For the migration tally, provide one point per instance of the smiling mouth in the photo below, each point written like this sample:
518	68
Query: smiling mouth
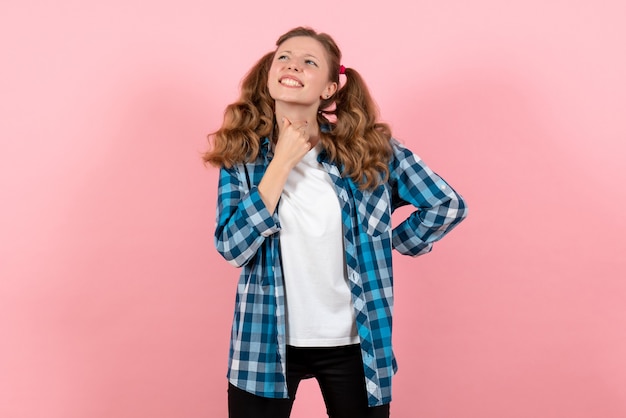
290	82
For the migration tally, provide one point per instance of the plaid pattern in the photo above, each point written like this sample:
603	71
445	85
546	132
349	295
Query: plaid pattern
246	235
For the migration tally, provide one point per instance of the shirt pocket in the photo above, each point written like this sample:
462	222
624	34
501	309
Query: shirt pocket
374	210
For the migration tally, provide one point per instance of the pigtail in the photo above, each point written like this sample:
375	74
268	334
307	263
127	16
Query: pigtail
359	143
246	121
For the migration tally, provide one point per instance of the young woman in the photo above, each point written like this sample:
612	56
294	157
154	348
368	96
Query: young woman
308	181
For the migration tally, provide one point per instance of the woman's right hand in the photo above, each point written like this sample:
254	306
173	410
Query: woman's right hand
293	143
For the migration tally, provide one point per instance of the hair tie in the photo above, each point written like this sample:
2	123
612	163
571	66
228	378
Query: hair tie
342	69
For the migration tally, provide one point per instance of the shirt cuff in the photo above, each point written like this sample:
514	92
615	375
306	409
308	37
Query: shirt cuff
406	242
258	216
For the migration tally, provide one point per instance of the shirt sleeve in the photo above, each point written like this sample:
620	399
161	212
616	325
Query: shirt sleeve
243	221
439	208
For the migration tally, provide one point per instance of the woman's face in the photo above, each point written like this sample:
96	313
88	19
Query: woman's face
299	73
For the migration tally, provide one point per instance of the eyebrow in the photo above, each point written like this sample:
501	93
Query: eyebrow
306	55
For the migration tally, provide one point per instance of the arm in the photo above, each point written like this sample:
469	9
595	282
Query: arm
246	214
243	221
293	143
439	207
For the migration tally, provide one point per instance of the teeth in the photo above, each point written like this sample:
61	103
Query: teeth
290	82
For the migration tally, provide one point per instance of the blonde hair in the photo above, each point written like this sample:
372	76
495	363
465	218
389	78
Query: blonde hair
356	142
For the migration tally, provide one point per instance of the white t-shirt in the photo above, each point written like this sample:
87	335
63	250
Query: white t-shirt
318	299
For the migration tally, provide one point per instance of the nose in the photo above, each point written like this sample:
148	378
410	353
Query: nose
293	66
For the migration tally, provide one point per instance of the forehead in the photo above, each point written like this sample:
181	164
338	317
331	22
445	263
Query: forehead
303	45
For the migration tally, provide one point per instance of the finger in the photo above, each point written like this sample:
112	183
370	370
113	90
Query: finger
286	123
300	124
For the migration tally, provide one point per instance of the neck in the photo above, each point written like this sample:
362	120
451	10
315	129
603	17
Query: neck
299	115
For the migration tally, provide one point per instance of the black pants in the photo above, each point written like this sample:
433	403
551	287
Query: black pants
339	372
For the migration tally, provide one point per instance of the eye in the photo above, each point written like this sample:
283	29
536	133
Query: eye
311	62
282	57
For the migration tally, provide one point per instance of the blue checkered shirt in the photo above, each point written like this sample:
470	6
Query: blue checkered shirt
247	236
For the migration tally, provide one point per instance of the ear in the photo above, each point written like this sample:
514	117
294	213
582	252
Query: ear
331	88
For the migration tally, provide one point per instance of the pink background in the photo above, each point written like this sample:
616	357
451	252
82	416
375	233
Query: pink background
113	301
